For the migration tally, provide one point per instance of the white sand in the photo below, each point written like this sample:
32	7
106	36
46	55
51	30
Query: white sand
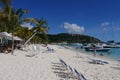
40	67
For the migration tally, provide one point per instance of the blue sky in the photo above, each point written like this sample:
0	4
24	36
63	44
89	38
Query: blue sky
98	18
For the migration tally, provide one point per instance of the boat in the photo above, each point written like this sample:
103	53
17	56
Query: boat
85	46
97	49
111	45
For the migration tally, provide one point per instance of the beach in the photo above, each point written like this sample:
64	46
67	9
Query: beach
20	66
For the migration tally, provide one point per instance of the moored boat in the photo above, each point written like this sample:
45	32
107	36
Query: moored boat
97	49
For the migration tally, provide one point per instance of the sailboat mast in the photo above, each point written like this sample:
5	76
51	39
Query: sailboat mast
112	31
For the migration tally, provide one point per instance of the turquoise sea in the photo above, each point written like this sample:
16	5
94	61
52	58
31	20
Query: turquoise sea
114	53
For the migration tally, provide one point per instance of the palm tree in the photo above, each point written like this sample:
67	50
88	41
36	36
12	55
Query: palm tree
23	32
36	39
15	22
5	2
10	18
41	28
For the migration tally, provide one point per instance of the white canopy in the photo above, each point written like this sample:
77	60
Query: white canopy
5	34
9	36
17	38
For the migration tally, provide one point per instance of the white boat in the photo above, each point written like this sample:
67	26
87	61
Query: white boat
97	47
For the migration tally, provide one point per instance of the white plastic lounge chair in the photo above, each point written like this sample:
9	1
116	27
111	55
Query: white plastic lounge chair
73	71
99	62
34	47
70	69
63	62
79	75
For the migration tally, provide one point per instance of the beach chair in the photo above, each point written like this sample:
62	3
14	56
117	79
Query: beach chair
80	75
63	62
50	49
29	48
71	72
63	65
34	47
33	51
70	69
105	62
99	62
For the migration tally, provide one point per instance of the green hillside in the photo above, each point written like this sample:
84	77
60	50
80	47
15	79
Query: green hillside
71	38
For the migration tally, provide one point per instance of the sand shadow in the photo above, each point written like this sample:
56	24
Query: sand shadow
61	71
29	55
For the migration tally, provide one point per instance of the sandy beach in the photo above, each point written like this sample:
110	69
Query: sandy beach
41	66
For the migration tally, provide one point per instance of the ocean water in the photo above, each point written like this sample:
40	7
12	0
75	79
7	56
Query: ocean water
114	53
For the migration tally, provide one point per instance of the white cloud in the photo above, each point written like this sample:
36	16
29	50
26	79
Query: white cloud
73	28
105	24
27	25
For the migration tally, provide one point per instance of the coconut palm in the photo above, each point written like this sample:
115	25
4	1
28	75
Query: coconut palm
5	9
36	39
10	18
5	2
4	17
41	28
14	21
16	17
23	32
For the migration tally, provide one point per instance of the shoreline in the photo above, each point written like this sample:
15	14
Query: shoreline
97	55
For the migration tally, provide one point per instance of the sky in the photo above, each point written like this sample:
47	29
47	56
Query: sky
97	18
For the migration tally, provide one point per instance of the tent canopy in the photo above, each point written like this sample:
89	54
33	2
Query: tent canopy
9	36
5	34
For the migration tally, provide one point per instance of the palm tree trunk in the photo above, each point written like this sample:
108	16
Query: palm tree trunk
12	44
30	38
